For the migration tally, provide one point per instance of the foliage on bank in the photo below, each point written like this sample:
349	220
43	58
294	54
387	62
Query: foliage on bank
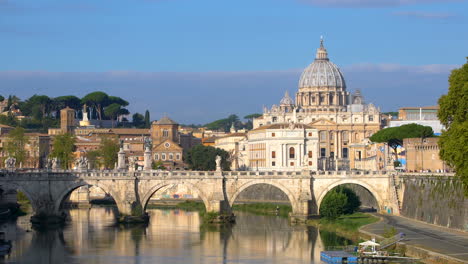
340	200
453	114
345	225
264	208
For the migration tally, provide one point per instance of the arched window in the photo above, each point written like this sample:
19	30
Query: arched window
291	153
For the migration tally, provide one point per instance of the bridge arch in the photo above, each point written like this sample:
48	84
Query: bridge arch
18	187
75	185
292	198
366	186
147	196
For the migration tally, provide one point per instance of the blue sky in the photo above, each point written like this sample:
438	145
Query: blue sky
199	60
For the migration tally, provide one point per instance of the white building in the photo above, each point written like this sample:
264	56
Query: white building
323	103
282	147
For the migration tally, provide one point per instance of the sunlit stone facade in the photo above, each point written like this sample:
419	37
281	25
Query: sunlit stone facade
323	103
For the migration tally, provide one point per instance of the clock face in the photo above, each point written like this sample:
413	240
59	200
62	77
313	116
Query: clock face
167	144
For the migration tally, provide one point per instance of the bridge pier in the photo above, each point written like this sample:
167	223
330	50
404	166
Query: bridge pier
45	212
302	210
223	210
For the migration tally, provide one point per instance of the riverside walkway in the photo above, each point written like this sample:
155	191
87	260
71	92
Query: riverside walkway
441	240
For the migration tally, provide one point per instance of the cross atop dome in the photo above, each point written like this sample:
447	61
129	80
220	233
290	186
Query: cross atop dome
321	51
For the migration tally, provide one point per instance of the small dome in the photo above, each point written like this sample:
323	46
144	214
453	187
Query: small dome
287	100
322	72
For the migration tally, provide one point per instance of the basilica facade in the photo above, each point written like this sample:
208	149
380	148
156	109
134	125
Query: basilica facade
322	103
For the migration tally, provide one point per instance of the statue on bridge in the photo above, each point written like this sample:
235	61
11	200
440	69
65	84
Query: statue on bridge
55	163
131	163
10	163
82	163
218	163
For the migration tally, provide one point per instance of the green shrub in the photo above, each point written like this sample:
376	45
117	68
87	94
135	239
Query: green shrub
333	205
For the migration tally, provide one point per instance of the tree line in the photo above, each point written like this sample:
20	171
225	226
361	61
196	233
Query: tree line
43	112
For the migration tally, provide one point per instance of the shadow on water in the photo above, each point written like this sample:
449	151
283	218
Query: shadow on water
172	236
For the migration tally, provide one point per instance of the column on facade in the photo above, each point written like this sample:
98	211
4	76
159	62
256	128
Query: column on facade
336	143
300	152
339	144
280	154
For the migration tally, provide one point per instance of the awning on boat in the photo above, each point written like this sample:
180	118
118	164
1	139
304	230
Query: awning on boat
369	243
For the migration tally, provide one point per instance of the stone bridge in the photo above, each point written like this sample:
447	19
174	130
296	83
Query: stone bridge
131	190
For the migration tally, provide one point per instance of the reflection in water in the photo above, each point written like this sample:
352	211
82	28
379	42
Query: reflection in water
172	236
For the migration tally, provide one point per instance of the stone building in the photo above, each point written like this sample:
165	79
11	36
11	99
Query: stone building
422	155
37	149
234	144
425	116
367	155
166	148
283	147
323	102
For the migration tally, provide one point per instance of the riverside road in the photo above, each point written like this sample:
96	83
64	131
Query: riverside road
437	239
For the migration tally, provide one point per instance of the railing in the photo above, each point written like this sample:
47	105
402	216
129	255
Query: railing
35	173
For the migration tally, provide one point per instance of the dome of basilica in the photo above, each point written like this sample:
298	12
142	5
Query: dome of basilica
322	72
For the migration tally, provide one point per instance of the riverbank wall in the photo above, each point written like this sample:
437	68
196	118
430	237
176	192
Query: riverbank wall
434	199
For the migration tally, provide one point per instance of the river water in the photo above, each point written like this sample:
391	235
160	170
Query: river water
172	236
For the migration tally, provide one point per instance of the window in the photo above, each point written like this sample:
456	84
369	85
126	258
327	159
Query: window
291	153
310	134
273	163
165	133
163	156
345	136
345	153
273	154
274	119
156	157
292	163
272	134
323	152
309	154
323	135
332	154
171	156
356	137
177	156
371	118
331	136
358	155
310	163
